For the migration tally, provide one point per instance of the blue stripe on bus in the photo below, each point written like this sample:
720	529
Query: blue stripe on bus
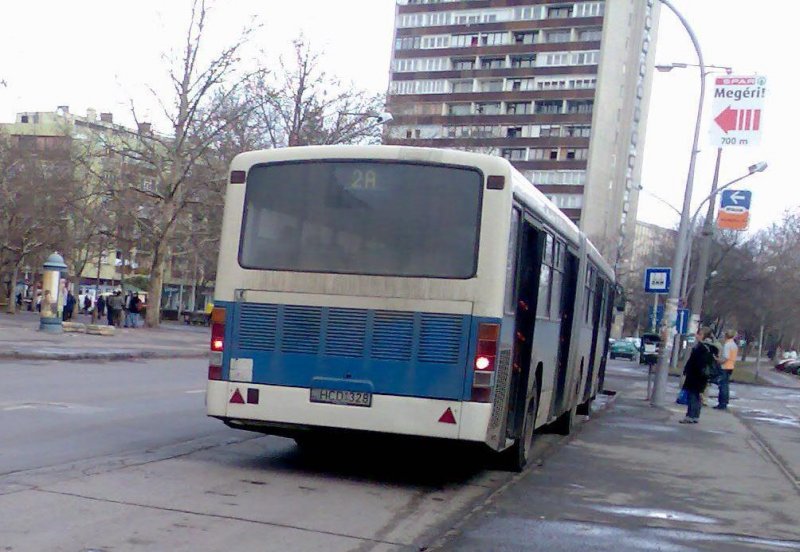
392	352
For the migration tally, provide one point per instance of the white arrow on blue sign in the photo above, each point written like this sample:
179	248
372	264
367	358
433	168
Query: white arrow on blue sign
657	279
738	199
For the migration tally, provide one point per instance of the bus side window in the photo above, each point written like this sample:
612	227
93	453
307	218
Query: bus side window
556	307
543	303
511	263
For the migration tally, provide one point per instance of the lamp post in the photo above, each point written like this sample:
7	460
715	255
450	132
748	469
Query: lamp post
671	307
50	316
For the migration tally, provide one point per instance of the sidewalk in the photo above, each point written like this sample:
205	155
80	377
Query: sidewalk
20	338
634	479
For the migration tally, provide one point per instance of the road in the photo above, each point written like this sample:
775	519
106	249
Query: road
120	456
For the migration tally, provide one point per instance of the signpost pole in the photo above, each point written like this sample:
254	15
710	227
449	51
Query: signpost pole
760	350
654	321
705	252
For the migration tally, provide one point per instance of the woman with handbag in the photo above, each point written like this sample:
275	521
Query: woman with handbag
696	373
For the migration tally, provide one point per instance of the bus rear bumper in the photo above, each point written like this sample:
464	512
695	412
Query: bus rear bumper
290	406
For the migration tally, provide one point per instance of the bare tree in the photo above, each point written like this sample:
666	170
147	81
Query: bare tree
199	111
300	105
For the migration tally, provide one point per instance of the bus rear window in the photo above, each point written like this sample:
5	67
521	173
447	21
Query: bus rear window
353	217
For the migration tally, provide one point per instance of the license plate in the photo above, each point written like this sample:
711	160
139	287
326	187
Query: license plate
348	398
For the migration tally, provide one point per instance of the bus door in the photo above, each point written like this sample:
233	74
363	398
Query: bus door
568	294
597	310
532	243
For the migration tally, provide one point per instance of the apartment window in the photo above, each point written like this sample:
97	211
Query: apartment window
555	59
484	131
408	133
459	109
589	9
461	86
567	201
521	84
494	39
525	14
513	132
464	41
523	61
585	58
433	42
551	84
518	108
23	119
590	35
583	83
514	154
557	12
491	86
578	131
493	63
574	154
547	131
558	178
548	107
407	43
464	64
540	154
561	35
525	37
580	106
487	108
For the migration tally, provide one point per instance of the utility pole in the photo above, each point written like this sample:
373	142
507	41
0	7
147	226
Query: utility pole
671	306
705	252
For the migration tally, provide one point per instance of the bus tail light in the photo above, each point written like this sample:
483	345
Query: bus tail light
217	343
484	363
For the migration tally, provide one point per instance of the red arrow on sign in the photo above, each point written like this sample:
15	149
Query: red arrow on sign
727	119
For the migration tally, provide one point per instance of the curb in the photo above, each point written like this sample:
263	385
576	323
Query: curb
112	356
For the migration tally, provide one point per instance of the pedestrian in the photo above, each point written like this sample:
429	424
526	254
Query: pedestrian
69	307
730	353
101	306
697	371
87	304
133	309
126	309
110	310
117	301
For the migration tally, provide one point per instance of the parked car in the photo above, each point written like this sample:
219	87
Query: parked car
783	364
623	349
793	367
637	342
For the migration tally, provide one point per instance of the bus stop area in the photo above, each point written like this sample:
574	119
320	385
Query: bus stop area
20	338
635	479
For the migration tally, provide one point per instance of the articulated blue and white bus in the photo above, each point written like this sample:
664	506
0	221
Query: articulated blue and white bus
399	290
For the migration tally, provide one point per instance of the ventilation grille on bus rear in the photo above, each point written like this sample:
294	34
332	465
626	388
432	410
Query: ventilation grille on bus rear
336	332
258	326
301	329
393	335
440	338
347	330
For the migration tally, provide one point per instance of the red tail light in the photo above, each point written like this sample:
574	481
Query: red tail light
218	329
484	363
217	343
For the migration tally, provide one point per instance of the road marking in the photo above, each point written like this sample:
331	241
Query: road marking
195	391
19	407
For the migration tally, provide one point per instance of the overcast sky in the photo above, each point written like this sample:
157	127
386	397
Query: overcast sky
102	54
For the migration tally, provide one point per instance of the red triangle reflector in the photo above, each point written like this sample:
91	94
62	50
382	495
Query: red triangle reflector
447	417
237	398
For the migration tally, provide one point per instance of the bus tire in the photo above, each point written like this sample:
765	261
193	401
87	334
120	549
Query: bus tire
565	423
516	457
585	408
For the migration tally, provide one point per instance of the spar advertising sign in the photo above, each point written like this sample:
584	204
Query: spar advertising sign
737	111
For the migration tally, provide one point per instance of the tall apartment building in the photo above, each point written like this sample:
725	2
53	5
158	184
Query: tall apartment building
558	88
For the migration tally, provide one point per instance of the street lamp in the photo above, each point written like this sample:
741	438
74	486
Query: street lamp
671	307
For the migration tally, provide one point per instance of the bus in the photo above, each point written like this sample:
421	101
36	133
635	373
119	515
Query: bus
409	291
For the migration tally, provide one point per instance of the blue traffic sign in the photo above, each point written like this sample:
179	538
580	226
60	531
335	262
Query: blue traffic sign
736	200
657	279
659	314
682	323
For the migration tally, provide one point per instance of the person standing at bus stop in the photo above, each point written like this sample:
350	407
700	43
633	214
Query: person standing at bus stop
695	373
730	352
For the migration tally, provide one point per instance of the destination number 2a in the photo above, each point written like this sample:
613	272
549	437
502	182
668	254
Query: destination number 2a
363	180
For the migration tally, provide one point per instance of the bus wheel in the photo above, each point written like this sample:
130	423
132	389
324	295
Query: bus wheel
585	408
518	455
565	423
